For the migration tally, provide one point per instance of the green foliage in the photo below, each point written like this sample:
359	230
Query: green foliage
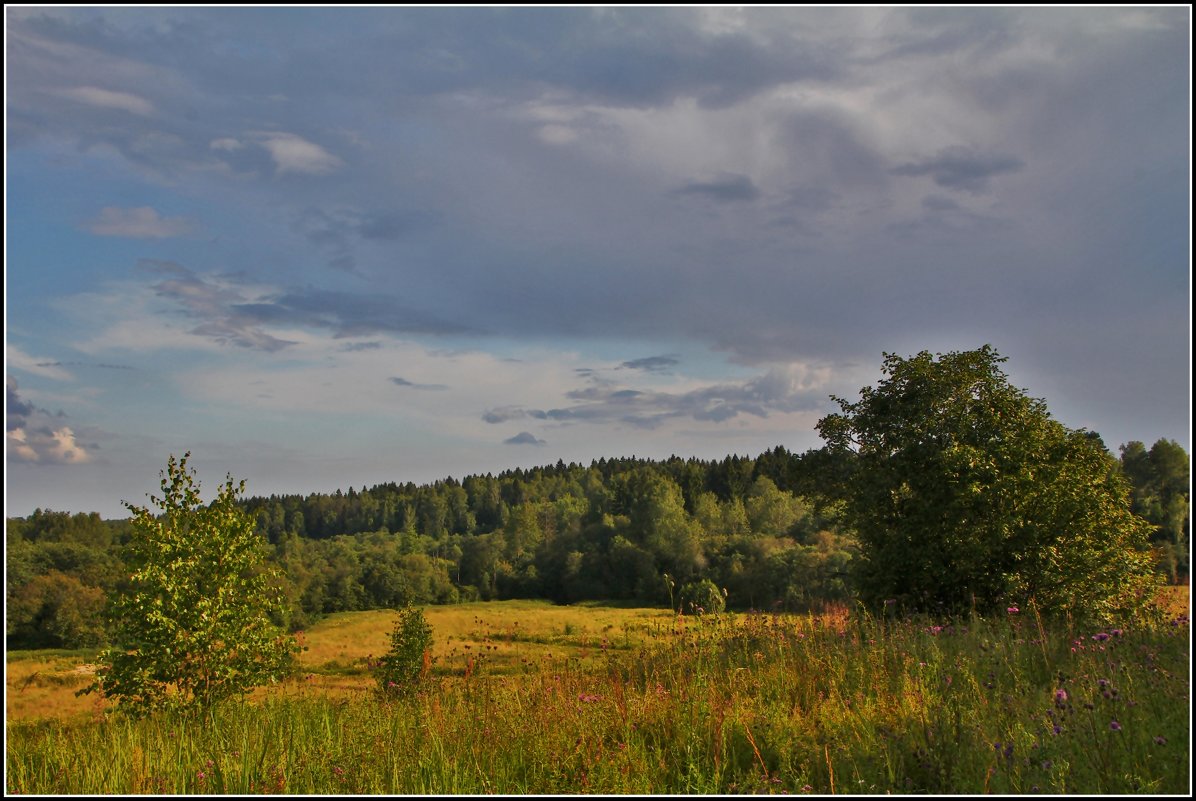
1161	480
405	666
965	493
194	624
55	610
702	597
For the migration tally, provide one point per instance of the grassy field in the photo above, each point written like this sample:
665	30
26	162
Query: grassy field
490	638
530	698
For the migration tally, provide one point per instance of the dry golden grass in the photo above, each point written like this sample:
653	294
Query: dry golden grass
44	687
1176	600
504	636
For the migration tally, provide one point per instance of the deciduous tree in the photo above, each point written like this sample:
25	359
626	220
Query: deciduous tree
965	493
193	626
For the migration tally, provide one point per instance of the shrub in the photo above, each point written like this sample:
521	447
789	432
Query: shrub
699	597
405	666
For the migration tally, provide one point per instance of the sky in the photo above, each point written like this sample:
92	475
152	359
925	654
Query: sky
320	248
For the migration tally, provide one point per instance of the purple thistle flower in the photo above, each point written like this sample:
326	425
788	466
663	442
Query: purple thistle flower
1114	726
1060	697
1100	636
1160	740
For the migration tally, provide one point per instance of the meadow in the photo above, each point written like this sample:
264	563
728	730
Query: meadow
526	697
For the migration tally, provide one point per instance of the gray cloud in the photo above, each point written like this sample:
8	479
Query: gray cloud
216	308
227	316
524	438
825	254
341	232
403	382
97	365
139	223
726	188
962	169
778	390
652	364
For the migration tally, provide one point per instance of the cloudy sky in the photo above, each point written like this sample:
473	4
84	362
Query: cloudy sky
321	248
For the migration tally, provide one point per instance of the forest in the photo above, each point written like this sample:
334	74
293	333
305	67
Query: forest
766	532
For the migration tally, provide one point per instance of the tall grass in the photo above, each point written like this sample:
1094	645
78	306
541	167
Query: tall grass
832	704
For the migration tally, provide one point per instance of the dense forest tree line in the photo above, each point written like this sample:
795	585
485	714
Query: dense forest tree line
767	530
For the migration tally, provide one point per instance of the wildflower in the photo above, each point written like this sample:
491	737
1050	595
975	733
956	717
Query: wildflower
1013	610
1160	740
200	775
1057	729
1117	632
1114	726
1100	636
1060	697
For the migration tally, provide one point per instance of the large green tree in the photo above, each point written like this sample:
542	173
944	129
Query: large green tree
193	625
966	494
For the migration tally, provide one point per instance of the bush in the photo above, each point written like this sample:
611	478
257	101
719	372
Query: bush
405	666
702	597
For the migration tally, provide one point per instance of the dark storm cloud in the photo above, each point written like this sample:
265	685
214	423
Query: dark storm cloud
962	169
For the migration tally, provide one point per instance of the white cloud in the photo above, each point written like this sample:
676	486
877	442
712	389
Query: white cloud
142	222
47	446
106	98
292	153
226	143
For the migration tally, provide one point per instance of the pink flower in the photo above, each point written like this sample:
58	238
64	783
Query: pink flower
1013	610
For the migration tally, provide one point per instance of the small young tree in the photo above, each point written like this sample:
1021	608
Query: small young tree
966	494
194	625
405	666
